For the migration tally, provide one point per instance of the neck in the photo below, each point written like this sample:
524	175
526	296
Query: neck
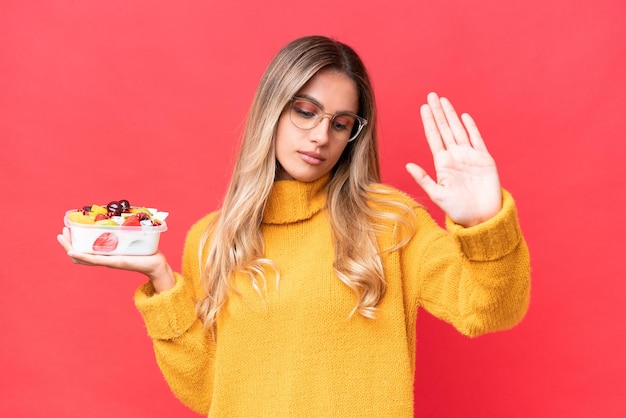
293	200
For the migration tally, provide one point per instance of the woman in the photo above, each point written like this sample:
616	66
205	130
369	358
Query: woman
300	295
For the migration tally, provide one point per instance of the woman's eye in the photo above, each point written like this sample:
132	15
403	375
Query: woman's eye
343	123
305	113
340	127
305	110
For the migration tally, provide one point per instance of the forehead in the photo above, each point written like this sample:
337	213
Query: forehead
334	90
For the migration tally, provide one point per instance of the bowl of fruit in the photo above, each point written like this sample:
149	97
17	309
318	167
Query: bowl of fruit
115	229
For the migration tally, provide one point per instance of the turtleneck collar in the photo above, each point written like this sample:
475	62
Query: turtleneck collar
293	201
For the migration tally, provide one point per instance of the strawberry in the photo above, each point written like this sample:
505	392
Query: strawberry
100	217
132	221
106	242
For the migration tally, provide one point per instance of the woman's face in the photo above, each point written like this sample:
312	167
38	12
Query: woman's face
307	155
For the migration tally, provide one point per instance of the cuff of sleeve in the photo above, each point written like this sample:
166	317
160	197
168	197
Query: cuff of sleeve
167	315
492	239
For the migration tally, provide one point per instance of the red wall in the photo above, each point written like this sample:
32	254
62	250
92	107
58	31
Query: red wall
144	100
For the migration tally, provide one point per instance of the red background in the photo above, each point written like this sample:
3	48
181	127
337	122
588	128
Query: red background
102	100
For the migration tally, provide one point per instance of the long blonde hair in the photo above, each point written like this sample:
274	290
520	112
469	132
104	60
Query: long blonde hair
234	243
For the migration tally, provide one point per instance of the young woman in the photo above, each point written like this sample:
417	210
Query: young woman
300	295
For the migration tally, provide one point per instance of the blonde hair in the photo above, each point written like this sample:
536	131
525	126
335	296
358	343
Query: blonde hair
233	241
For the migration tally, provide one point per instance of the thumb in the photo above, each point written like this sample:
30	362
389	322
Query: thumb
422	178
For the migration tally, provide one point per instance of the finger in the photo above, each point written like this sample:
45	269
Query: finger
430	130
440	119
474	134
67	236
138	263
80	258
111	261
458	130
64	242
97	260
422	179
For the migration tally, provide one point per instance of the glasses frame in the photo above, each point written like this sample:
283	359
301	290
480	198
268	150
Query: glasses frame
362	122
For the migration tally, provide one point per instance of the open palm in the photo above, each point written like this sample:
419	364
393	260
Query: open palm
154	266
467	186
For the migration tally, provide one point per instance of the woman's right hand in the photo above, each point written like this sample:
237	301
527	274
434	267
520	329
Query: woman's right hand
154	266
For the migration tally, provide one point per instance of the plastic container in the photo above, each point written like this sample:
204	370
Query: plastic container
114	240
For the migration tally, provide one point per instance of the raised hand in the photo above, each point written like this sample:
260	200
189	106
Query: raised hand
154	266
467	188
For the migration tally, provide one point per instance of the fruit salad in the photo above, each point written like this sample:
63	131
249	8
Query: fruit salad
117	228
117	213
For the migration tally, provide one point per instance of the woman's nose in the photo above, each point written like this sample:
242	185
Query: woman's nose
320	133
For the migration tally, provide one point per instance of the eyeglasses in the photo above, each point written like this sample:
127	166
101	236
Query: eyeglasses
306	114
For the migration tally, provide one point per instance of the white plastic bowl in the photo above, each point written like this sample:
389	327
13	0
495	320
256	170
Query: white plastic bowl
114	240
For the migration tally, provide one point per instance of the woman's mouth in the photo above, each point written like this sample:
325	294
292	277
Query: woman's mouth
312	158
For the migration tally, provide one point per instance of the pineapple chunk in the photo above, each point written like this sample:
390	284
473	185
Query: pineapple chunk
109	222
79	218
97	209
139	210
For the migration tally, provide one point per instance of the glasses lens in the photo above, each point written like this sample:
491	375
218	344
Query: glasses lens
305	114
343	125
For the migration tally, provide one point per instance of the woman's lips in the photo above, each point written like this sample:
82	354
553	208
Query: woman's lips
312	158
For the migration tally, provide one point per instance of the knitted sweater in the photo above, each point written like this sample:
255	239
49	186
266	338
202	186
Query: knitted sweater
296	351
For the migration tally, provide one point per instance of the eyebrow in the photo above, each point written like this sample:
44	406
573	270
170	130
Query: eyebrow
306	96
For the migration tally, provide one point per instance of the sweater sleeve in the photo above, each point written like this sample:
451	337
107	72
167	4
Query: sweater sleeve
184	351
477	278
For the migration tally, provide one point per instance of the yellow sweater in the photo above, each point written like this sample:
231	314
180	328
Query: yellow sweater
296	352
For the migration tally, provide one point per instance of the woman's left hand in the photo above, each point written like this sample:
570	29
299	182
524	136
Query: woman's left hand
467	187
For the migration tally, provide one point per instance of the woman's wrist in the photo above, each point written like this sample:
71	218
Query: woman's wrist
162	279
